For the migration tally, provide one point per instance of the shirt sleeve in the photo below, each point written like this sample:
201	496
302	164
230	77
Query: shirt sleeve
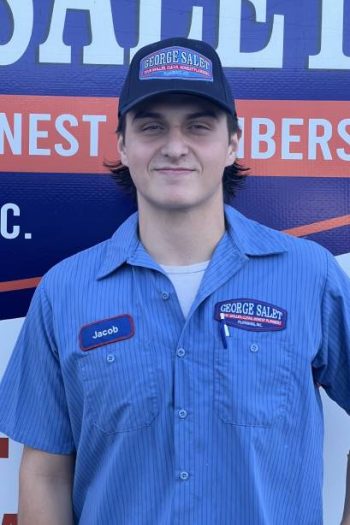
33	407
332	363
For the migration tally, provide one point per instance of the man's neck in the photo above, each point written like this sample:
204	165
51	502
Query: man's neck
181	237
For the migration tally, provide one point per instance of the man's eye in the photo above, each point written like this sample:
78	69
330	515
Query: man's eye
199	126
151	128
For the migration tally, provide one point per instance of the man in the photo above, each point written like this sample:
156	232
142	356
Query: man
171	374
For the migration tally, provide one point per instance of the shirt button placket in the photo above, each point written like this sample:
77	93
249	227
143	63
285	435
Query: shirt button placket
254	347
182	413
182	427
180	352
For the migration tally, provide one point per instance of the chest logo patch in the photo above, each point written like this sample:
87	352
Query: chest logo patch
106	331
250	314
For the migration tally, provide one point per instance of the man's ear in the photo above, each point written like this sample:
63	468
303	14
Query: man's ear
122	149
232	149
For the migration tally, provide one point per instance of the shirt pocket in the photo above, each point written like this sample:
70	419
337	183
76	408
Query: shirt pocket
120	386
251	379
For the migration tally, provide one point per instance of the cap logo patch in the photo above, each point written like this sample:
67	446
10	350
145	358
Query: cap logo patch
106	331
250	314
176	62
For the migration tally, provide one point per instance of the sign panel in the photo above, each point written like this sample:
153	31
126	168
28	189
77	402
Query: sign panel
62	64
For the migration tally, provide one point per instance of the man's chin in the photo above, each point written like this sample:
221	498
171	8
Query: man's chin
173	204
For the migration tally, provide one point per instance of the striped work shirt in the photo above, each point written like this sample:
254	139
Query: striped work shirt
212	420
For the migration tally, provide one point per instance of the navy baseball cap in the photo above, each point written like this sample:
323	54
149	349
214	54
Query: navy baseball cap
176	65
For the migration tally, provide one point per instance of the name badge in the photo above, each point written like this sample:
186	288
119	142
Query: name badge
106	331
250	314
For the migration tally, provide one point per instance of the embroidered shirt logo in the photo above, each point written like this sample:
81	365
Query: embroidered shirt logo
106	331
176	62
250	314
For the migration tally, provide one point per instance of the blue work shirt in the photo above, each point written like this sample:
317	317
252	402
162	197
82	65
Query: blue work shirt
215	419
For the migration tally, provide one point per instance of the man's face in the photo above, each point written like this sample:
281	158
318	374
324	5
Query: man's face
176	148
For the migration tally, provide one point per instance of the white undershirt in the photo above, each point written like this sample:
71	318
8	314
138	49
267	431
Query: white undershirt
186	281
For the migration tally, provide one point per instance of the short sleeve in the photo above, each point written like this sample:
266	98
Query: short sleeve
332	363
33	407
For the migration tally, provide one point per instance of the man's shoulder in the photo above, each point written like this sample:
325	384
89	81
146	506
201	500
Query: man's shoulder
81	266
88	264
305	250
292	242
264	238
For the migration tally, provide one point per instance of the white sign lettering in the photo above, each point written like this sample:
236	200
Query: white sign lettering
263	131
345	135
331	55
40	129
104	49
14	136
7	210
23	19
35	133
94	121
288	138
150	15
63	131
230	37
320	133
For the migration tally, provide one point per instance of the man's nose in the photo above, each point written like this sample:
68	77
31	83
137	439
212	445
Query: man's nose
175	144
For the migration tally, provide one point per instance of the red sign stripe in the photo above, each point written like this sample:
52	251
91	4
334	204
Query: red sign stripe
297	138
9	519
4	448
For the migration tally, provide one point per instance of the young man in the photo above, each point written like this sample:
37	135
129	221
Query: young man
171	375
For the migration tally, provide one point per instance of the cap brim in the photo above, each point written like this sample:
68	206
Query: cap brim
229	109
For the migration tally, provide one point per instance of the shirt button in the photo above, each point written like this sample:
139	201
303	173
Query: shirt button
165	296
110	358
182	413
180	352
254	347
184	475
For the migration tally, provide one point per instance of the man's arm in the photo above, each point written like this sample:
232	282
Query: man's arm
45	488
346	513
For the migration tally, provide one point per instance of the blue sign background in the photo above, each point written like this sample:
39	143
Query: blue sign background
68	212
302	39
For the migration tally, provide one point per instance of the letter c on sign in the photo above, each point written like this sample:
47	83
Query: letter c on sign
6	210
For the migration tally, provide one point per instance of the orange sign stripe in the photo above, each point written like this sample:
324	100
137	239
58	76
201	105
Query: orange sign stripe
320	226
21	284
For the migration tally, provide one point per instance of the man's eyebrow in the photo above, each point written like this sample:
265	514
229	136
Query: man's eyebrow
146	114
153	114
201	114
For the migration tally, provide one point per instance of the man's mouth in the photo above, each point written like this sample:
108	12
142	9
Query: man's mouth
174	170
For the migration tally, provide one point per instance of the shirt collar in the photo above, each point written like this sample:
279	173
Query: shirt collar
252	238
249	237
120	246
